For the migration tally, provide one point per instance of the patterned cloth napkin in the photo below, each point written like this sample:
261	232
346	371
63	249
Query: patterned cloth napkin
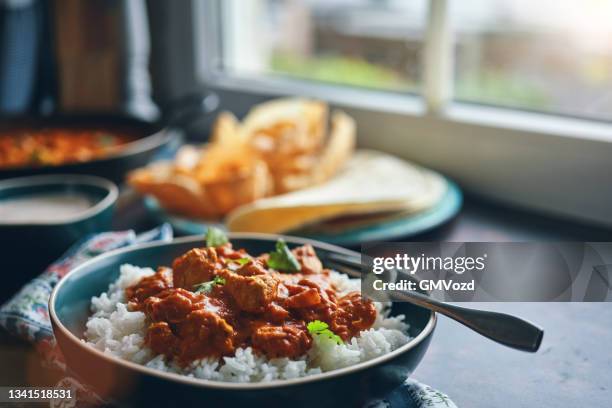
26	315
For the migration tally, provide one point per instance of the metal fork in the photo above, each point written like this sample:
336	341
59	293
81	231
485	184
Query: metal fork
503	328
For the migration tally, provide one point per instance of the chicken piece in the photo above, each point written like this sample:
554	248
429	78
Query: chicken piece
233	259
308	260
149	286
251	293
354	314
194	267
288	340
205	333
228	252
276	313
172	305
161	340
254	267
307	297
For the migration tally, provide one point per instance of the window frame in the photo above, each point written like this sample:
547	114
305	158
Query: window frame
564	170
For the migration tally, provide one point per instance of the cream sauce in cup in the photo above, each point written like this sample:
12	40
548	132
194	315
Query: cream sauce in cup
48	207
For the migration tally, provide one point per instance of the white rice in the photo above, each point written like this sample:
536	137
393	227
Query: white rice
113	329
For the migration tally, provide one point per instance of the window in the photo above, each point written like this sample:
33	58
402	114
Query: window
511	98
364	43
552	56
547	55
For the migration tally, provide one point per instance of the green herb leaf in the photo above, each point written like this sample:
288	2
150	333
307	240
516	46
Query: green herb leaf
321	330
282	259
317	326
242	261
215	237
207	287
106	140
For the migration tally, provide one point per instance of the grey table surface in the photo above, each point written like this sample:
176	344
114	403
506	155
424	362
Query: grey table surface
573	367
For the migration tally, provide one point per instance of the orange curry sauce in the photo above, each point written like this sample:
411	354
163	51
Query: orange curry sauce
56	146
255	306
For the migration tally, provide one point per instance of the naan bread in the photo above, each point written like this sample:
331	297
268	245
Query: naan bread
372	182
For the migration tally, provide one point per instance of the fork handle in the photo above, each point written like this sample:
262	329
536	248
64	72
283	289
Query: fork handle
508	330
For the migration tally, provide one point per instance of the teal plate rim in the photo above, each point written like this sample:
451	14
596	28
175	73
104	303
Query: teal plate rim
410	225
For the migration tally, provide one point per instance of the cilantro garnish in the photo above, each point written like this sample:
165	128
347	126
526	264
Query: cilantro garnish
282	259
207	287
242	261
321	329
215	237
106	140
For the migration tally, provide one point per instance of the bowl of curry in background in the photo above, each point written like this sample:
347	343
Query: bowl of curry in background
107	146
137	385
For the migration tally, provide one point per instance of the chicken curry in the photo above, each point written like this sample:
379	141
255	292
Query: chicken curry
57	146
216	299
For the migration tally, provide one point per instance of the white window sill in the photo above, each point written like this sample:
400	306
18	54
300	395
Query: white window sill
533	122
341	95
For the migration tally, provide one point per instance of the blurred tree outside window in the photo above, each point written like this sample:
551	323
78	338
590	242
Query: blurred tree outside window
552	56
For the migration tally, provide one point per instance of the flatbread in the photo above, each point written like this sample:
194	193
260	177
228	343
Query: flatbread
372	182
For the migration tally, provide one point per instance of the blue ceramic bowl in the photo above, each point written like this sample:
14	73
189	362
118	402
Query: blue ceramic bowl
29	246
141	386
